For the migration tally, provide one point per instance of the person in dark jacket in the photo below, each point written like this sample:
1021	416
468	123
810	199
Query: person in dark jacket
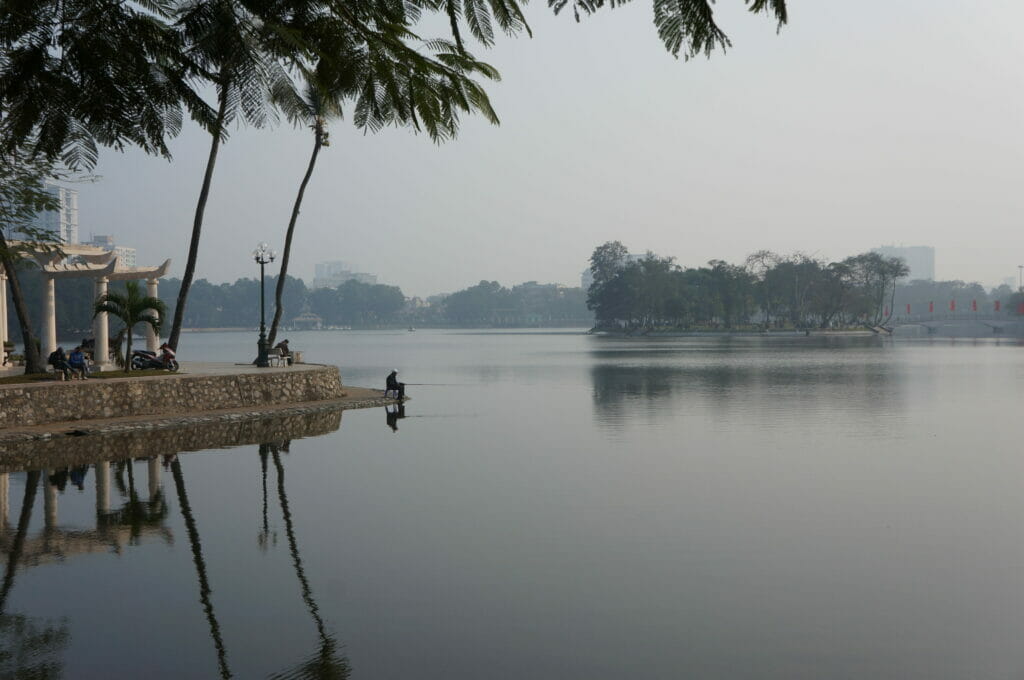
59	361
392	385
286	353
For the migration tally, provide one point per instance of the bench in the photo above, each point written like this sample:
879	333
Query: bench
276	357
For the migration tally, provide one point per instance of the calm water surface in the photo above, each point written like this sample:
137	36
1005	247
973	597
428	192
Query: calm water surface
552	505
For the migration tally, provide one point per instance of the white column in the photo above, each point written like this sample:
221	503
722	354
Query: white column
49	317
100	329
152	339
154	477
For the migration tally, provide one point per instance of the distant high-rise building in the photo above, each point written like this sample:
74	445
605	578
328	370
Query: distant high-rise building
333	274
126	257
63	221
920	259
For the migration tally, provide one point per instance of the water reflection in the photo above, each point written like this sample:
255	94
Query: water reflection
200	564
31	647
733	382
28	648
393	413
327	663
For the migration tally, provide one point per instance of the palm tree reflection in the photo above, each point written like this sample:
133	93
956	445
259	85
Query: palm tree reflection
200	562
327	663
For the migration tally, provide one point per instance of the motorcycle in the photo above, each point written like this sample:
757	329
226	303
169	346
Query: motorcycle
143	359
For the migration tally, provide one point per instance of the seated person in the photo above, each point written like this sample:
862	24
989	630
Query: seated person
392	385
76	360
59	361
286	353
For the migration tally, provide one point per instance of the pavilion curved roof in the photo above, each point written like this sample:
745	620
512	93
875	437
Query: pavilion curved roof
94	261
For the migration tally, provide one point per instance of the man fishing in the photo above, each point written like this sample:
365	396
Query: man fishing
392	385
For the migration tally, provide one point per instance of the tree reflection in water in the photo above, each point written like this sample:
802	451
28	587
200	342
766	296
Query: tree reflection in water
28	648
327	663
33	648
200	562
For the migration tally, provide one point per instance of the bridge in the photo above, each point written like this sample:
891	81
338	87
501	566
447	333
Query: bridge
973	324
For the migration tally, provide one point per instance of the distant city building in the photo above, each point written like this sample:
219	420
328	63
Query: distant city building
125	256
920	259
333	274
63	221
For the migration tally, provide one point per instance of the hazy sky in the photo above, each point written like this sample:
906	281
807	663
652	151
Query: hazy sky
860	124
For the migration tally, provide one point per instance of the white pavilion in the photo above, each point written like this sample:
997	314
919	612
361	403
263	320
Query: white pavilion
93	262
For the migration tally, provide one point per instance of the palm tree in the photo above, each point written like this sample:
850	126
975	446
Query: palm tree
315	105
227	48
132	307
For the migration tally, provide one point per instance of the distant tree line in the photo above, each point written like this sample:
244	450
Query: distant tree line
489	304
767	291
352	304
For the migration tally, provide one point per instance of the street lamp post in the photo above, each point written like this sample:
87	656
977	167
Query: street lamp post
263	255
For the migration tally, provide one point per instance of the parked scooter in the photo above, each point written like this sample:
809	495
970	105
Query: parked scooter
143	358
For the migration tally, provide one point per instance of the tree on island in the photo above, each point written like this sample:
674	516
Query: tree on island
132	308
797	291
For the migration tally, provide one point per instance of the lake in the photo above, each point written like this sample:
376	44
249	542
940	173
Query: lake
549	505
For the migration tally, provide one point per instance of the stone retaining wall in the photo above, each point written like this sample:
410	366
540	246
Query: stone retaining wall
33	404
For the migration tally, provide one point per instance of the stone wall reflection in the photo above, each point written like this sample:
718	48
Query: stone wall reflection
66	451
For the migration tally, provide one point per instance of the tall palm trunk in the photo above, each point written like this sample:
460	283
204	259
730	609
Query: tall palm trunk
128	351
27	501
197	223
33	361
318	142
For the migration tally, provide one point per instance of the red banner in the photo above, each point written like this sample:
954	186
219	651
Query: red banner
1020	308
952	305
931	307
997	305
908	308
886	312
974	305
